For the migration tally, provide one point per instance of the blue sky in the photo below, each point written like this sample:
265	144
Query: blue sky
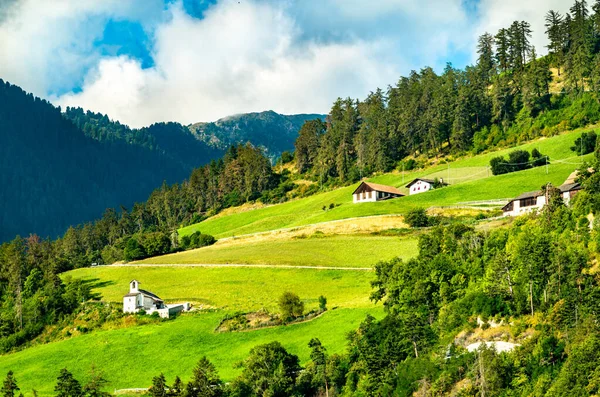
143	61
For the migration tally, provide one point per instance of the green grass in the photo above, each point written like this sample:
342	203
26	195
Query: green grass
307	211
340	251
131	357
234	288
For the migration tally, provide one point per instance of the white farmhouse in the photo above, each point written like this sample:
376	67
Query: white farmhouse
370	192
535	201
138	299
422	185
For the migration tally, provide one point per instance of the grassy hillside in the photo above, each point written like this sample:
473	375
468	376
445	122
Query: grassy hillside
469	179
131	357
343	251
234	288
174	346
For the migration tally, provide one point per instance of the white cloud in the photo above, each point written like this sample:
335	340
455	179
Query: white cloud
47	45
241	57
290	56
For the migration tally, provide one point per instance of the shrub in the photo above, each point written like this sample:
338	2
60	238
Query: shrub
133	250
585	144
290	306
417	218
197	240
322	303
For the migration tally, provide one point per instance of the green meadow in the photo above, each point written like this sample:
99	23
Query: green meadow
130	357
309	210
472	182
337	251
248	288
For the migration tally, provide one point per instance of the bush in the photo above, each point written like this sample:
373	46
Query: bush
417	218
585	144
322	303
290	306
133	250
517	160
197	240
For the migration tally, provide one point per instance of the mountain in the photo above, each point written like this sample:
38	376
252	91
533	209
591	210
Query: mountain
57	172
269	130
61	169
171	140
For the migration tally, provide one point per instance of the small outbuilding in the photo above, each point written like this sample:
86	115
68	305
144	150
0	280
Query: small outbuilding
422	185
138	299
370	192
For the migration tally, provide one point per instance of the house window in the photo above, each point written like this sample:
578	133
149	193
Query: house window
369	194
528	202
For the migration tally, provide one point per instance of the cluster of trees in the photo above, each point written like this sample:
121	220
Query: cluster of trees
504	98
585	144
66	385
32	294
518	160
269	370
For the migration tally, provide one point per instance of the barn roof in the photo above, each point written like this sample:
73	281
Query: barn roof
430	181
380	188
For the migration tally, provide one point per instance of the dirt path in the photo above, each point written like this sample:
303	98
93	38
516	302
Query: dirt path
364	269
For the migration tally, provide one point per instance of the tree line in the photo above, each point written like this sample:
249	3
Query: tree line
502	99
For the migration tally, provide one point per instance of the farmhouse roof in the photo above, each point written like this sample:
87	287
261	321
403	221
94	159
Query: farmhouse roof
525	195
430	181
569	187
380	188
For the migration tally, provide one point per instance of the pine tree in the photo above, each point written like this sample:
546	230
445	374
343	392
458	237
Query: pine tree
67	385
556	37
577	64
486	62
205	381
502	49
159	386
9	386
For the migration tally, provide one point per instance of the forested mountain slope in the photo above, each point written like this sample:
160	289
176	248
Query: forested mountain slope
53	175
171	140
269	130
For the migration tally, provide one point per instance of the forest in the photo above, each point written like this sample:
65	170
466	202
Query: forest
55	176
538	277
508	96
540	274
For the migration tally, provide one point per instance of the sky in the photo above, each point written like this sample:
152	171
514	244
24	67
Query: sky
145	61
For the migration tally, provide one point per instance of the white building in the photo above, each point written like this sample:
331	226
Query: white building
422	185
535	201
370	192
138	299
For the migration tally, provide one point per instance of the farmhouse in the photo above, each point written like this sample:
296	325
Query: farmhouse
535	201
422	185
369	192
138	299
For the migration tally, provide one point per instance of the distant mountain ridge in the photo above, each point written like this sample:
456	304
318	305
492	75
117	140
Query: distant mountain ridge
61	169
273	132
